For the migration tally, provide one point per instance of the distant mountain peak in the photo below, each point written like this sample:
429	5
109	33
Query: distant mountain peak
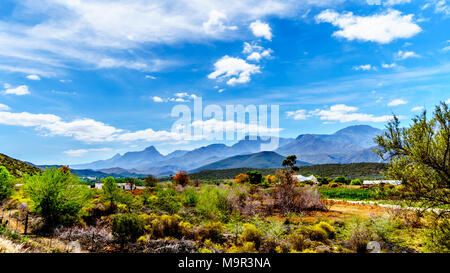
357	129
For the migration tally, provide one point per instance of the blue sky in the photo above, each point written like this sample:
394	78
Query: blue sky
84	80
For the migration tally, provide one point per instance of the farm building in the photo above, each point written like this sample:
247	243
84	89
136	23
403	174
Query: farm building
376	182
302	178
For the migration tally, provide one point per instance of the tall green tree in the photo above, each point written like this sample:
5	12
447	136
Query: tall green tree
56	195
110	191
6	183
420	156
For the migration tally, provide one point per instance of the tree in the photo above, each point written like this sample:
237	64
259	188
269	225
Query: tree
181	178
110	191
290	162
131	181
56	195
254	177
420	156
6	183
342	179
150	181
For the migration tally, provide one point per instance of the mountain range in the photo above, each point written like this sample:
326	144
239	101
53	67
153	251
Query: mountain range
350	145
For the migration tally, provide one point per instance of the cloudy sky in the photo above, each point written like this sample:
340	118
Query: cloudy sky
82	80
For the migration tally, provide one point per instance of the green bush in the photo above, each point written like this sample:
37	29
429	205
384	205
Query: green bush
56	195
252	234
356	182
189	197
342	179
213	203
6	183
254	177
167	201
127	227
331	232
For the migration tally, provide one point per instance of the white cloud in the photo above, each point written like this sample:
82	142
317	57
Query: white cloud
261	29
221	90
256	52
150	77
297	115
417	109
388	2
236	70
381	28
447	48
397	102
365	67
4	107
34	77
19	91
447	101
72	31
157	99
392	65
403	55
81	152
344	113
215	24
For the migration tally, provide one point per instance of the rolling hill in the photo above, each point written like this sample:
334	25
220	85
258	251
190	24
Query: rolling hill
16	167
261	160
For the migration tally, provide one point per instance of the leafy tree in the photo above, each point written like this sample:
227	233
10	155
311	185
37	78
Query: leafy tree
254	177
131	181
6	183
290	162
342	179
420	156
110	191
150	181
56	195
181	178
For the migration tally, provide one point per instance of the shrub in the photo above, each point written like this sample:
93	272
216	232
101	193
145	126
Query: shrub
167	226
181	178
127	227
342	179
242	178
358	235
355	182
382	228
254	177
150	181
213	203
166	200
252	234
298	240
247	247
438	237
6	183
189	197
333	185
331	232
56	195
212	231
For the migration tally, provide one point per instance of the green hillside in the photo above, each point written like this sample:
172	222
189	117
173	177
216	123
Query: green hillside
16	167
355	170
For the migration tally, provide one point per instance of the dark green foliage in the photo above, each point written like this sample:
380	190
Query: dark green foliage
56	195
255	177
356	182
6	183
110	191
167	201
342	180
150	181
127	227
351	171
290	162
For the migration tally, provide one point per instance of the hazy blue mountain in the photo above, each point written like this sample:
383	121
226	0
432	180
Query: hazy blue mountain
261	160
349	145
